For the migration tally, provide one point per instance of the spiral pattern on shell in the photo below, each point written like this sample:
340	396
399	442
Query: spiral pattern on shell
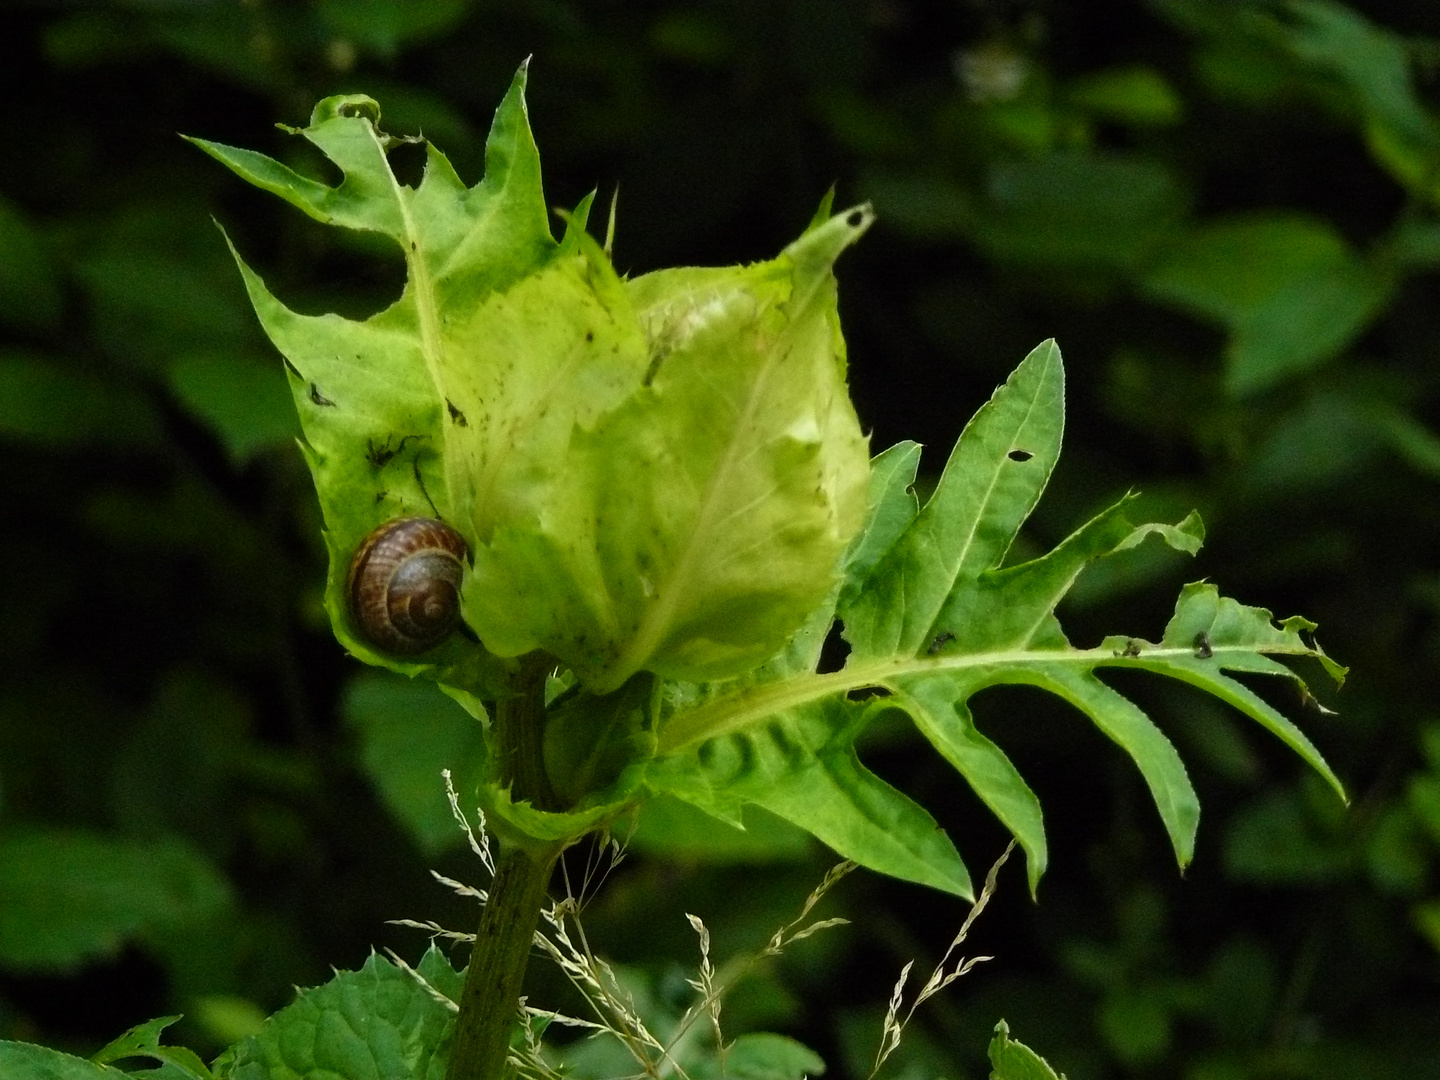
404	584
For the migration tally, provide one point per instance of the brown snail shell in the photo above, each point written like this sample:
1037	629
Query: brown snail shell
404	584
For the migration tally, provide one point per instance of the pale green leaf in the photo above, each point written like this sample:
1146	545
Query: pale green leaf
651	475
695	525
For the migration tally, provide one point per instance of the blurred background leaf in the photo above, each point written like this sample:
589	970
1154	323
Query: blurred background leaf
1228	214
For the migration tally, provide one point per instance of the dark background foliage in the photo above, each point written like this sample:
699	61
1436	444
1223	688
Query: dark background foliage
1225	212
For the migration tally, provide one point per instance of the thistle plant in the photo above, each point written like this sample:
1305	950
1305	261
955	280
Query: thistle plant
648	502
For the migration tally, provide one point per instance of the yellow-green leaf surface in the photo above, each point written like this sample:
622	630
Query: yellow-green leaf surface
652	475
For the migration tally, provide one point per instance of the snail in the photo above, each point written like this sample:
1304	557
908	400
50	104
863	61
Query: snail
404	584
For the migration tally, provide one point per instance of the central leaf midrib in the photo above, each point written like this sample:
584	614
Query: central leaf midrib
657	618
726	715
427	317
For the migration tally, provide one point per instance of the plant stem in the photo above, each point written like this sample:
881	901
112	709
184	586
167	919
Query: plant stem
489	1003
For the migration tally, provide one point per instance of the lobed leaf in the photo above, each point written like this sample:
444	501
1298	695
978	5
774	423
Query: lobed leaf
801	765
933	616
651	475
992	481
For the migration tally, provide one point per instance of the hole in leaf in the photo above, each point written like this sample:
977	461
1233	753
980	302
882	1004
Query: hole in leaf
407	162
865	693
835	651
1020	455
855	218
367	110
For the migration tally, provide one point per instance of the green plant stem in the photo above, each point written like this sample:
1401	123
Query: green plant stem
489	1003
490	1000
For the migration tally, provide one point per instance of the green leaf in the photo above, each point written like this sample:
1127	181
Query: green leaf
384	26
1375	65
247	406
801	765
25	1061
378	1023
678	830
70	897
946	721
1068	210
52	404
590	742
1274	841
763	1055
933	615
893	507
410	732
1210	634
1011	1060
992	481
30	296
143	1040
1137	94
1288	287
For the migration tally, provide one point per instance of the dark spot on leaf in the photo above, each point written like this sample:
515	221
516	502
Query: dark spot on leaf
1203	651
589	335
381	455
455	414
414	246
1132	648
420	482
855	219
317	398
941	640
1020	455
380	496
654	368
